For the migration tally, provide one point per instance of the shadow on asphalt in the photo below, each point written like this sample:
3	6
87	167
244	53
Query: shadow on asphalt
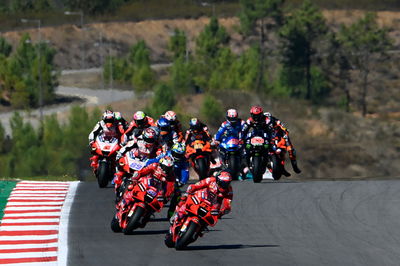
152	232
159	220
233	246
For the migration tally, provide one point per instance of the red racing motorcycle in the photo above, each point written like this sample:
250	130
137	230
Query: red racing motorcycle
139	202
106	148
185	231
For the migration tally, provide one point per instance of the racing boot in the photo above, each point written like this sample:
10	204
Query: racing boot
296	169
284	172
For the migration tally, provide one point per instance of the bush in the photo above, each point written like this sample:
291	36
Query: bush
211	110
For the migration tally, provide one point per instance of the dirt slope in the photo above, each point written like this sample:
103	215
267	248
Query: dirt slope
74	43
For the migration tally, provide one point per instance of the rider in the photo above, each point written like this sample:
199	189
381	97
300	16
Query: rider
162	178
176	125
137	125
219	192
122	123
144	147
281	132
233	126
167	136
107	126
181	169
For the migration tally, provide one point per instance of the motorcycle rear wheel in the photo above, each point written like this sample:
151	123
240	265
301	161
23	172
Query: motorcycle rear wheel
187	237
134	221
202	168
276	168
257	169
103	173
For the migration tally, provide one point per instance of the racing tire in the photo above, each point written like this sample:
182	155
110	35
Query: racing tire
168	241
187	237
134	221
202	168
276	168
257	170
115	225
103	174
234	165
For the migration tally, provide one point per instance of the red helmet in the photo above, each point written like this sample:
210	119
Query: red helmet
256	112
232	115
224	179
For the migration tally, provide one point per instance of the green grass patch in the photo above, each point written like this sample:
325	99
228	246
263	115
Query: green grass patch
5	189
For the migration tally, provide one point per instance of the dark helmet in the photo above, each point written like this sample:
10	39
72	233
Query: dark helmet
256	113
167	164
108	118
164	126
149	135
232	116
224	179
195	124
140	118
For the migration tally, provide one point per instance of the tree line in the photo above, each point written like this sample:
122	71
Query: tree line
26	73
292	53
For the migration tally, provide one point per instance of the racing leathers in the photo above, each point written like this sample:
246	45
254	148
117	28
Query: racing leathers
218	197
108	132
228	129
134	130
280	136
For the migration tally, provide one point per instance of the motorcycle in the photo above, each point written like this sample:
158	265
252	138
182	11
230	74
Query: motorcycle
139	202
106	148
199	153
261	158
231	147
129	164
185	231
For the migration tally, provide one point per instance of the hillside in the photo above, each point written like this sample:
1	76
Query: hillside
117	37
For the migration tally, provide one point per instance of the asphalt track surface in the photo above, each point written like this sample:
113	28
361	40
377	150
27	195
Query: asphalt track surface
272	223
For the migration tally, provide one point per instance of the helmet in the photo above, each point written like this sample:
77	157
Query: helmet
167	164
170	116
232	115
195	124
108	118
256	113
140	118
178	150
164	126
117	115
224	179
149	135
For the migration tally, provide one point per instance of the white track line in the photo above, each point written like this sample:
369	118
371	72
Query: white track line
43	237
31	220
28	227
63	231
20	246
28	255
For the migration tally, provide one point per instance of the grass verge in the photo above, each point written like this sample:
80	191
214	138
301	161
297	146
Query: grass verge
5	189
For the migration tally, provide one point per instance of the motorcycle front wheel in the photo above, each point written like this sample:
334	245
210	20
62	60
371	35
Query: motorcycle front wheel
234	165
134	221
187	237
257	169
276	168
103	174
115	225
